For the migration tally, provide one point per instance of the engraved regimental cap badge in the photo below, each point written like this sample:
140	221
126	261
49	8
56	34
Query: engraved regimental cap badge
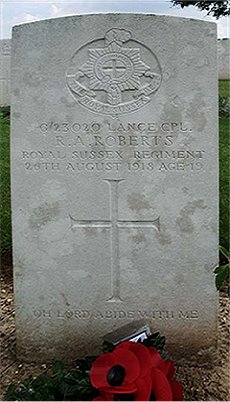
114	75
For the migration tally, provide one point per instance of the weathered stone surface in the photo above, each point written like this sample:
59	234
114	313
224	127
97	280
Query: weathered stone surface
223	47
5	49
114	181
223	67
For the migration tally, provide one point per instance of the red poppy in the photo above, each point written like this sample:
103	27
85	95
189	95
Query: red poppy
144	382
115	372
164	384
126	370
132	370
177	390
141	352
156	359
144	388
169	370
160	386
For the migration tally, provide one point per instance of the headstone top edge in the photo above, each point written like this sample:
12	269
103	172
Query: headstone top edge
95	15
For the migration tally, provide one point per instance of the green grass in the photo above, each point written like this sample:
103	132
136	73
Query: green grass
5	211
224	88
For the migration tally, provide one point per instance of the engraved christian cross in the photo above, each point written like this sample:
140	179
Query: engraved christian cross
114	224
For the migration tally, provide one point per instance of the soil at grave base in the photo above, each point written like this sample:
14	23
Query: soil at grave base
199	383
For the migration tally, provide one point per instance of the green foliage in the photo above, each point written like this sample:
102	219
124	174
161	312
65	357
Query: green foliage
218	8
5	211
59	386
107	347
86	363
155	340
158	342
224	180
224	100
224	88
222	272
5	112
224	107
68	386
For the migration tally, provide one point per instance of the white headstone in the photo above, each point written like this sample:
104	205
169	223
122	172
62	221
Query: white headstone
223	47
114	181
5	49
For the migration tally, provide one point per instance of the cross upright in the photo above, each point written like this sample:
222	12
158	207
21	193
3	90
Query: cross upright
114	224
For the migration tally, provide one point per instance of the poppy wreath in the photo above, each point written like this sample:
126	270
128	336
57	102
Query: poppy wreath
135	372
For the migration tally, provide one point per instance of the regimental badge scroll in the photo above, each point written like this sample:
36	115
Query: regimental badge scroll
114	75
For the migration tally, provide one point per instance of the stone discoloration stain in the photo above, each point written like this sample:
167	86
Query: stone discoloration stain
90	230
19	268
138	238
44	214
65	101
197	114
185	221
65	299
137	202
163	236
